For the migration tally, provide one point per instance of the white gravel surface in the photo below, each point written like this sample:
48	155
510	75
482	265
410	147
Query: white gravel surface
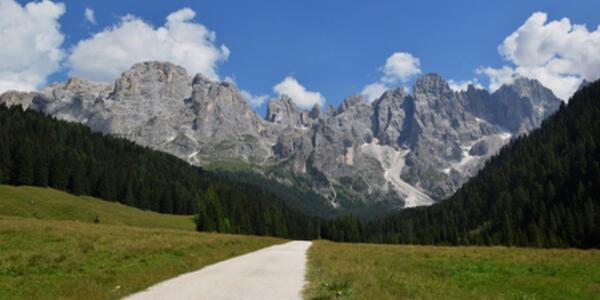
276	272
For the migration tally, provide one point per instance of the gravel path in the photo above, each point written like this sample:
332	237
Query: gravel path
276	272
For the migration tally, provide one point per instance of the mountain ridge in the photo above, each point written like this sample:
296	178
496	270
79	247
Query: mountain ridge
540	190
401	150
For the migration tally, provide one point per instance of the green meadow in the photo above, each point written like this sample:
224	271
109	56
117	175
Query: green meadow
57	246
367	271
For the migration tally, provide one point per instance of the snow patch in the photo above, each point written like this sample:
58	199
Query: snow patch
333	200
170	139
469	160
192	155
505	135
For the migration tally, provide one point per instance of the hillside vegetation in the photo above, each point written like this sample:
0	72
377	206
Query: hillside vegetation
541	190
366	271
41	151
50	204
58	246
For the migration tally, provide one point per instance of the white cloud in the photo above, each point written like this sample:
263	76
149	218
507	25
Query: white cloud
461	86
90	16
400	66
373	91
30	40
254	100
497	77
557	53
230	79
303	98
105	55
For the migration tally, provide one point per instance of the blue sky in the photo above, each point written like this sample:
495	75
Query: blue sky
336	47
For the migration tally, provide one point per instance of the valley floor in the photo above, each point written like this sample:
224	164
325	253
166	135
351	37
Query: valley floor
365	271
45	259
50	247
58	246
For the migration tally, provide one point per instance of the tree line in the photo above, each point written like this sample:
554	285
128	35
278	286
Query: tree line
541	190
38	150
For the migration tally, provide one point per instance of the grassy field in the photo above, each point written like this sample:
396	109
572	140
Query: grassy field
49	204
362	271
50	247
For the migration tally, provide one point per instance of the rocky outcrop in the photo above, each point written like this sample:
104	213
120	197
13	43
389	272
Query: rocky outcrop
399	151
523	105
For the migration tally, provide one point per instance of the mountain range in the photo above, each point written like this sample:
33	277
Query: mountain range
401	150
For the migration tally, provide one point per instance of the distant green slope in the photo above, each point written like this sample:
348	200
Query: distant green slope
52	248
37	150
46	203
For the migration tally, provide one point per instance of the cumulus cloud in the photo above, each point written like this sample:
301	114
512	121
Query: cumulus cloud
253	100
303	98
497	77
373	91
180	40
31	43
557	53
90	16
461	86
398	68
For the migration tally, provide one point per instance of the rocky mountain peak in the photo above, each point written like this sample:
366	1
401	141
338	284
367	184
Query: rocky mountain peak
76	84
431	83
349	102
389	115
11	98
330	110
472	88
200	79
153	79
527	87
315	112
524	104
402	148
214	94
390	96
283	111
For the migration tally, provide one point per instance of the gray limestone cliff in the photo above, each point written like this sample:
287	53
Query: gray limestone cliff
401	150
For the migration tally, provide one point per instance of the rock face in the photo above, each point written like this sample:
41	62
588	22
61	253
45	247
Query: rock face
401	150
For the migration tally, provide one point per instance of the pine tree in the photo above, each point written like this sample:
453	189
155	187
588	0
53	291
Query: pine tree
23	165
4	157
129	198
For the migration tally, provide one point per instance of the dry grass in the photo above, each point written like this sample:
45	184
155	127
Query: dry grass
362	271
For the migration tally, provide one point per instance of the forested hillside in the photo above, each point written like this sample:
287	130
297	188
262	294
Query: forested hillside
542	190
41	151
